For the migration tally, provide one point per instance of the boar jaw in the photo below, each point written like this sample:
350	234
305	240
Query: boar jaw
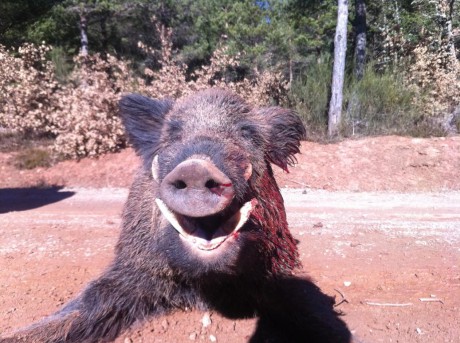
202	232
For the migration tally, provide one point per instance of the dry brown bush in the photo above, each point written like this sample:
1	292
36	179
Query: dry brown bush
82	114
170	81
27	85
86	120
436	76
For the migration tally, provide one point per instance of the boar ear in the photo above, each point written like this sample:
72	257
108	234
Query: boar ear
285	131
143	119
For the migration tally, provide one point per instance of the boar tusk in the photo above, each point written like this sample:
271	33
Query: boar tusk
233	225
155	168
245	212
248	172
170	217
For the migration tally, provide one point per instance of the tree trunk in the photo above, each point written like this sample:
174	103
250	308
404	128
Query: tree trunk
444	13
340	49
397	44
83	35
105	35
450	36
360	28
360	44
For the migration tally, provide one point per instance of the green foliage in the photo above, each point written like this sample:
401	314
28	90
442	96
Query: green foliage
271	34
58	27
309	95
62	64
313	22
17	15
380	103
242	25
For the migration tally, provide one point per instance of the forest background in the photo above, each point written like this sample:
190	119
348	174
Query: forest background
65	64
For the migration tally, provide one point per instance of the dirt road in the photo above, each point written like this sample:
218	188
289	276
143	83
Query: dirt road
378	253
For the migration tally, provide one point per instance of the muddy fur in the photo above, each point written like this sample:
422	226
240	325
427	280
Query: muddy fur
155	271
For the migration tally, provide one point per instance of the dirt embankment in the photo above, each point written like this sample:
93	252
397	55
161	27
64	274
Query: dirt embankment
387	163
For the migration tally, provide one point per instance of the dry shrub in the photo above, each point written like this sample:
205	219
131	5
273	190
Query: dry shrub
27	85
170	80
83	113
261	89
436	76
86	120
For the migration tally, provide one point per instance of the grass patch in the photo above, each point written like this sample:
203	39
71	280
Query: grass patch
28	150
309	95
32	158
12	141
62	64
380	103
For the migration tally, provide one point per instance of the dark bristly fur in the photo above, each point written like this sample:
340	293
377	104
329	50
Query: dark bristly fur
155	271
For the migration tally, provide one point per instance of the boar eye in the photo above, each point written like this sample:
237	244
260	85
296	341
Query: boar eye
249	131
174	129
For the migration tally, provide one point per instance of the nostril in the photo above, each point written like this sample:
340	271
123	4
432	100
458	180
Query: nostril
196	188
211	184
179	184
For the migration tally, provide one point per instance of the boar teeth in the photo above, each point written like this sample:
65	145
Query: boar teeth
231	225
244	213
170	217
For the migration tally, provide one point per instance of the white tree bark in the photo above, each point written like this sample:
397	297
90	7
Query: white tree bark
83	35
444	14
340	50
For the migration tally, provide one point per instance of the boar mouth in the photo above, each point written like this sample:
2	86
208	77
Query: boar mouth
208	233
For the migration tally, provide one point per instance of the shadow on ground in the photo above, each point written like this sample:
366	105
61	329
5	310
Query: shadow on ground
23	199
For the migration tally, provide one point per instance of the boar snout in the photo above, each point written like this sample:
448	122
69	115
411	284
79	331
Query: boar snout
197	188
